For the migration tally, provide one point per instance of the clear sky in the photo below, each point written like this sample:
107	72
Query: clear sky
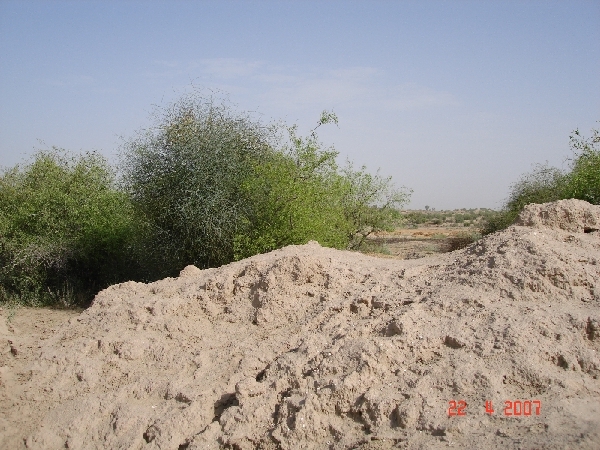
454	99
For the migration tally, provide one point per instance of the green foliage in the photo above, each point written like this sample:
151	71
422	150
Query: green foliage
300	194
543	184
65	231
204	186
186	179
584	179
546	184
214	186
370	204
296	197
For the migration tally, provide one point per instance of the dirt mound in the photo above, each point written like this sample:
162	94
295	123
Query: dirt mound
569	215
309	347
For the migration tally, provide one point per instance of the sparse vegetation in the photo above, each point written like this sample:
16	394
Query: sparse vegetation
459	217
545	184
461	241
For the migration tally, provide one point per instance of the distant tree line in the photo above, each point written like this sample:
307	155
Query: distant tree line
462	217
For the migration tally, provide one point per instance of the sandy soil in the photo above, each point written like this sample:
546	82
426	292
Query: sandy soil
309	347
23	332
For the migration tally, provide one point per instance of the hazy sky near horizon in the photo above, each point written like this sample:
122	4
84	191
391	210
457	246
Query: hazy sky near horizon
453	99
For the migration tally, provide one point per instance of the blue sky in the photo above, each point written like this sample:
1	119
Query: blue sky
454	99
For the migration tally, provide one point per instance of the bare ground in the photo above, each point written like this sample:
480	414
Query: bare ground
309	347
421	242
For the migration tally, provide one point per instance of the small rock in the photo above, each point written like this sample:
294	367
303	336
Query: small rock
394	328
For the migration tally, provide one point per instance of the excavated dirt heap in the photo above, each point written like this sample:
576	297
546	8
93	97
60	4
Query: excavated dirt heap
309	347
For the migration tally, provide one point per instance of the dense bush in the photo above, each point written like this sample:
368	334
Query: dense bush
301	194
214	185
185	177
294	196
65	231
546	184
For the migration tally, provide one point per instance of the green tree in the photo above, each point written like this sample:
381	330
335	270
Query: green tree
297	196
300	194
185	177
214	185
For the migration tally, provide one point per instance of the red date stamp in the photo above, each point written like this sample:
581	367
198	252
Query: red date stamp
511	408
522	408
457	409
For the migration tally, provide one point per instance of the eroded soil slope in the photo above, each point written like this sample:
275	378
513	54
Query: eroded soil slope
308	347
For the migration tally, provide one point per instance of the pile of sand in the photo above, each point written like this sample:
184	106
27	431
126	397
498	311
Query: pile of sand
309	347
